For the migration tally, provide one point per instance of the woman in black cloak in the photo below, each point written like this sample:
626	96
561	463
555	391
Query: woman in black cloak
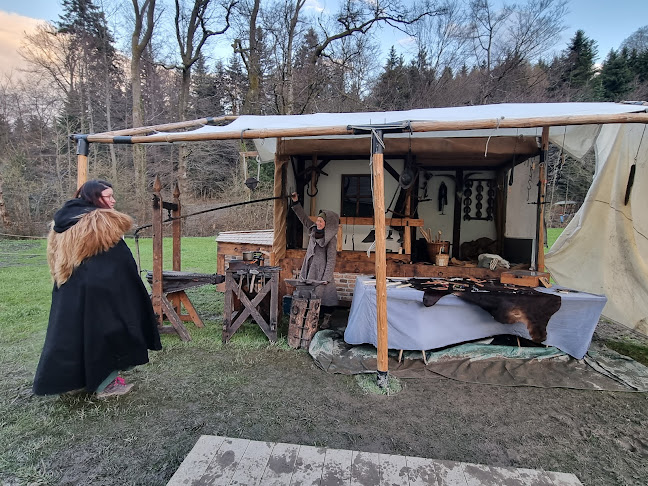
101	319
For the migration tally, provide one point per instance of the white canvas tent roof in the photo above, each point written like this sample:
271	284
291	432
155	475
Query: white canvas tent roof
577	138
604	249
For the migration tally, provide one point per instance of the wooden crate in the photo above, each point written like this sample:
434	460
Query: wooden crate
524	278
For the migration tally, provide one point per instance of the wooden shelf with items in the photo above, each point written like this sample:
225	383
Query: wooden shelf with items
395	222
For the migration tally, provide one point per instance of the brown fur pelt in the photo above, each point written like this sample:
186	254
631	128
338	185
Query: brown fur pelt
96	232
528	306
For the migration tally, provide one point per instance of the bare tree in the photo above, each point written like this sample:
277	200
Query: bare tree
485	24
444	37
140	38
283	20
193	29
637	41
251	55
359	18
506	40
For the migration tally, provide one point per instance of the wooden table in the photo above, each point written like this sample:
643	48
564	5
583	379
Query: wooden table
257	289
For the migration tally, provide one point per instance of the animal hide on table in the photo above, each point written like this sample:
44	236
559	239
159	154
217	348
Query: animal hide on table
507	305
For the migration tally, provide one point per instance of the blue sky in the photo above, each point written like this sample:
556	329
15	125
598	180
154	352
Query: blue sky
607	22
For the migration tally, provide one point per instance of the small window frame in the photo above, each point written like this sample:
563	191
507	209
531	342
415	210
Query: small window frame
361	197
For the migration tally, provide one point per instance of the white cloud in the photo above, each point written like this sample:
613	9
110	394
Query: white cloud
406	41
313	5
12	34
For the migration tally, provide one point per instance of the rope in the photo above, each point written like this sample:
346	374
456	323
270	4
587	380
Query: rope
640	141
489	136
25	236
136	234
140	228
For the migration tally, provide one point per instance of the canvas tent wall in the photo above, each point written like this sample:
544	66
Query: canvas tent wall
574	126
604	249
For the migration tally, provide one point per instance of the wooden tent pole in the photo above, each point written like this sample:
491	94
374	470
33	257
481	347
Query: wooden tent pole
156	296
280	212
83	148
166	127
377	149
427	126
176	227
542	187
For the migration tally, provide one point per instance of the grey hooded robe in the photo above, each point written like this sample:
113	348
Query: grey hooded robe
319	262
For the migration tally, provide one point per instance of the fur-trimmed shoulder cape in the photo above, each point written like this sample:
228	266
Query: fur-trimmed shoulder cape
95	231
101	319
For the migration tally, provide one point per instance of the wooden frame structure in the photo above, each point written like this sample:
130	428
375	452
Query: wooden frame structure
152	135
169	303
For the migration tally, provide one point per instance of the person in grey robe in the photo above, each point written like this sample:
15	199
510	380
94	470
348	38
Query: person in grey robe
319	262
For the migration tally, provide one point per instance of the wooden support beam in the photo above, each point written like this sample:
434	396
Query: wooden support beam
83	148
388	221
427	126
166	127
381	260
542	187
280	212
177	235
177	228
157	292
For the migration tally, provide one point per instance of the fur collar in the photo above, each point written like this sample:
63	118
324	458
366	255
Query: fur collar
95	232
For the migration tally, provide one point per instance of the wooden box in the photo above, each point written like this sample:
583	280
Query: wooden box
524	278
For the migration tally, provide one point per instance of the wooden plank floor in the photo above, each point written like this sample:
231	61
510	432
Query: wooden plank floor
218	460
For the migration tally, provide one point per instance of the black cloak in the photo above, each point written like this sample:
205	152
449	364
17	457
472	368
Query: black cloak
101	319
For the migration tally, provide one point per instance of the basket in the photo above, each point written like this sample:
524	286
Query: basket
435	248
442	259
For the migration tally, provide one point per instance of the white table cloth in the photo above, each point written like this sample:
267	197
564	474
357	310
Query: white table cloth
412	326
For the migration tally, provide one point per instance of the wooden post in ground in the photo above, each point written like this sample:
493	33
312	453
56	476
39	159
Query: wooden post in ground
156	296
542	186
83	147
177	235
377	167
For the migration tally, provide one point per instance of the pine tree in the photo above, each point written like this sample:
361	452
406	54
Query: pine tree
578	60
616	76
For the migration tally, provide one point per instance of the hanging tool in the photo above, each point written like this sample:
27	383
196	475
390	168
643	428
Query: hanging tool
443	196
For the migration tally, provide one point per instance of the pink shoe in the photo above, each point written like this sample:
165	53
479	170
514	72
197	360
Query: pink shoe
115	388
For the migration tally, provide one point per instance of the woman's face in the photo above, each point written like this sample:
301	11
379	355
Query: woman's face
107	198
320	223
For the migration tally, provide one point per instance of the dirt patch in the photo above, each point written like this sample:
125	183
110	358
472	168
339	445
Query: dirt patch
277	394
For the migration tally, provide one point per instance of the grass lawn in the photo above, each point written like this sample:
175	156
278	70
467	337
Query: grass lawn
254	389
36	429
552	236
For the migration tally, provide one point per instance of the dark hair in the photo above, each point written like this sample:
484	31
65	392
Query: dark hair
91	191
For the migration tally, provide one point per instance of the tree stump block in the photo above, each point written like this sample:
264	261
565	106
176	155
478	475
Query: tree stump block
304	321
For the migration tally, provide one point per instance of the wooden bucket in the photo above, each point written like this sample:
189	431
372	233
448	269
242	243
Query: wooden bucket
438	247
